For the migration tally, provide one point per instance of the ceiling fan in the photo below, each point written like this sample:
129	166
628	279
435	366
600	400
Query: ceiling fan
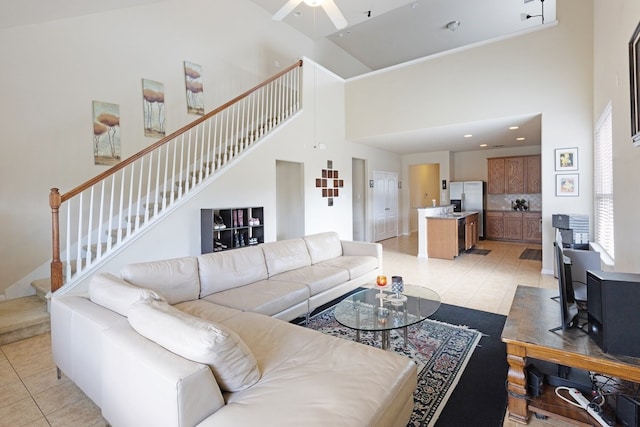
329	7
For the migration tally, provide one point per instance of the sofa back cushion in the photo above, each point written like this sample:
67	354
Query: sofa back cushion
285	255
220	271
233	365
117	295
323	246
175	279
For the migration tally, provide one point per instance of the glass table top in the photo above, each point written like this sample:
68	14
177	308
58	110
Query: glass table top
365	311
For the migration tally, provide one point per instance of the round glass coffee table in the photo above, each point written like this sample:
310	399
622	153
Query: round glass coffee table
364	311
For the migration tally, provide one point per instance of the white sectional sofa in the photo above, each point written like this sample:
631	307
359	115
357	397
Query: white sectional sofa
205	341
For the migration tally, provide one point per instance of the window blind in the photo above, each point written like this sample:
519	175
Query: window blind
603	182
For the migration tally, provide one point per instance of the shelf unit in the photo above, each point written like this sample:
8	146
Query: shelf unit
233	228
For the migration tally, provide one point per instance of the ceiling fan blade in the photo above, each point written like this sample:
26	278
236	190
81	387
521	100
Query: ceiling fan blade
286	9
334	13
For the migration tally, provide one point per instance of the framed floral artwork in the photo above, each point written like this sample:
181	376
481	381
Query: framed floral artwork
567	185
567	159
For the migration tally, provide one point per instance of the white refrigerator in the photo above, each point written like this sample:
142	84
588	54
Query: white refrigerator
473	197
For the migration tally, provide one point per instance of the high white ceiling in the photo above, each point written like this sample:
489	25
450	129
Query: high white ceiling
380	33
26	12
398	31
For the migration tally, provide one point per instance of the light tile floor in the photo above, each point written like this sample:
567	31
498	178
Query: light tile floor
31	395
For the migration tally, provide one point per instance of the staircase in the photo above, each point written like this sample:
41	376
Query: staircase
99	218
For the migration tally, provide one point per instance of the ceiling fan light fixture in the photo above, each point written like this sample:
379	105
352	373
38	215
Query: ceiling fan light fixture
453	25
313	3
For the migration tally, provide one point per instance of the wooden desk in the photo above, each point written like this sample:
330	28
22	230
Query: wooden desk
526	334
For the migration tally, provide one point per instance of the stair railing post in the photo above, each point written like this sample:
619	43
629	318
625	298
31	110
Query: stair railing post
55	200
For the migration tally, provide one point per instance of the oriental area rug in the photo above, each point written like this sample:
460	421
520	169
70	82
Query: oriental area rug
440	350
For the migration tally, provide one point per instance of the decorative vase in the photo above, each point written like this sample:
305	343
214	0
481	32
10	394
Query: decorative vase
397	286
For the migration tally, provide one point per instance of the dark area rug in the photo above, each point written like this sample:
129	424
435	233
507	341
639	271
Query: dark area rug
478	251
480	398
532	254
442	352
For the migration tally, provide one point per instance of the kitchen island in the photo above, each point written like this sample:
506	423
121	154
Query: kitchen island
451	233
423	214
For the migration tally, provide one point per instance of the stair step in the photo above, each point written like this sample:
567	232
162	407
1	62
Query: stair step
42	287
22	318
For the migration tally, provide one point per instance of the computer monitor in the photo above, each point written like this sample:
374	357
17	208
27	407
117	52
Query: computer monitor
581	261
568	306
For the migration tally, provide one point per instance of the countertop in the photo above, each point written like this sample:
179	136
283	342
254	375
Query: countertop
511	210
454	215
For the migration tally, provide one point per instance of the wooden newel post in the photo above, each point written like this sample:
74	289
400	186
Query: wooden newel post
55	200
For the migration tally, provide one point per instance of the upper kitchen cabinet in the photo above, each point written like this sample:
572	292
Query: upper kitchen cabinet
533	168
514	175
496	175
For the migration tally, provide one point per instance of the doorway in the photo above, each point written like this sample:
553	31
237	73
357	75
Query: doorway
424	187
289	200
358	177
385	205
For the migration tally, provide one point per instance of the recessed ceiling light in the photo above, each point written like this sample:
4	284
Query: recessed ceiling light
521	138
483	145
468	135
514	127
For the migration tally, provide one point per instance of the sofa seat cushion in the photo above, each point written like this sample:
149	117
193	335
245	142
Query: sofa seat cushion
220	271
233	365
117	295
329	381
175	279
357	266
268	297
316	277
285	255
323	246
208	310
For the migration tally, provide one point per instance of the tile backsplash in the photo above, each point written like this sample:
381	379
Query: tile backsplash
502	202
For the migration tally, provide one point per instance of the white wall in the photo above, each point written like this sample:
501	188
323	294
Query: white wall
472	165
52	72
545	72
253	181
614	23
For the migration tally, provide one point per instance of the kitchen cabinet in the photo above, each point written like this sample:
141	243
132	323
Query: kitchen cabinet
442	238
514	226
514	175
495	225
496	175
533	181
471	231
532	227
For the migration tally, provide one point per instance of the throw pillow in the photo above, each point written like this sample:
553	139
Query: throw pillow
117	295
233	365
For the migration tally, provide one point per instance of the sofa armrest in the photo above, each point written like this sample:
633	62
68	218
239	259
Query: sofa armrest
145	384
76	340
351	248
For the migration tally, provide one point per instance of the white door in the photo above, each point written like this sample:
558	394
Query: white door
385	205
359	188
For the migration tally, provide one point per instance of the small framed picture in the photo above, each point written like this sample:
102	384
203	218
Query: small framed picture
567	159
567	185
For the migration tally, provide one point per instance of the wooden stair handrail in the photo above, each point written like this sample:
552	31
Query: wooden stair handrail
56	199
79	189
